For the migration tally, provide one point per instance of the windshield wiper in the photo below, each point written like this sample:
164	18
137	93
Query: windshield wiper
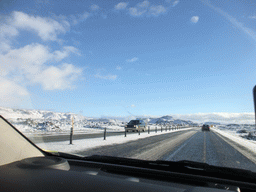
184	166
205	167
64	155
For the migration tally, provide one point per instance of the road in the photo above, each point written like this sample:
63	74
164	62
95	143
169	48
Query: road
194	145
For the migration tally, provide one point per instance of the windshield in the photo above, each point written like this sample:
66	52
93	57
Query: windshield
74	74
134	122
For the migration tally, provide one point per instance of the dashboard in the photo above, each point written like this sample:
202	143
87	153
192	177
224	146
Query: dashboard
51	173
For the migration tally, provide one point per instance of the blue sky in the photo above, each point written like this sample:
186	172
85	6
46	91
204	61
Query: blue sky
114	58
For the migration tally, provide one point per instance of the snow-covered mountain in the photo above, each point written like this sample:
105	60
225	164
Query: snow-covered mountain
48	122
162	120
38	121
13	114
168	120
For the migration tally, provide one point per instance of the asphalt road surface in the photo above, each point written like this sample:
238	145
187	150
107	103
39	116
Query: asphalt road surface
194	145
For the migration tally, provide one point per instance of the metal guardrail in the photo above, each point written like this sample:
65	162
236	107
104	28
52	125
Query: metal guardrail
166	128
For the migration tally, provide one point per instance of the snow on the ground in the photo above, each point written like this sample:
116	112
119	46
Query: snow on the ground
234	136
48	122
246	131
85	144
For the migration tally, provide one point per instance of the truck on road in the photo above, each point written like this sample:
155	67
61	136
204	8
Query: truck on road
136	125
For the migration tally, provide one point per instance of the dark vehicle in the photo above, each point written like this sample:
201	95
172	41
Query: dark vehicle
136	125
205	128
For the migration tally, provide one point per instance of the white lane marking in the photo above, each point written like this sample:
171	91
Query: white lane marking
183	145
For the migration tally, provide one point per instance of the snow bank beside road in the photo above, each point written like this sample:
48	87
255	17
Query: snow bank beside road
85	144
248	144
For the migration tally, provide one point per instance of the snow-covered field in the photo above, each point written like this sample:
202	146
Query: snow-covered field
249	144
246	131
36	122
85	144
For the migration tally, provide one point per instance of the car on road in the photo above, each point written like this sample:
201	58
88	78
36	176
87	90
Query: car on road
136	125
205	128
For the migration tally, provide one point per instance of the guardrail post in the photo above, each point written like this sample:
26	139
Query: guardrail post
139	131
166	128
148	129
71	135
156	129
71	131
124	133
254	99
105	133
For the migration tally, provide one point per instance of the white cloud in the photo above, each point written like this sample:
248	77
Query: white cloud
58	77
133	105
6	33
59	55
84	16
136	12
121	6
251	33
132	60
46	28
175	3
252	17
30	64
194	19
144	8
221	117
24	60
109	77
118	67
33	64
31	58
13	94
76	19
157	10
144	4
95	7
